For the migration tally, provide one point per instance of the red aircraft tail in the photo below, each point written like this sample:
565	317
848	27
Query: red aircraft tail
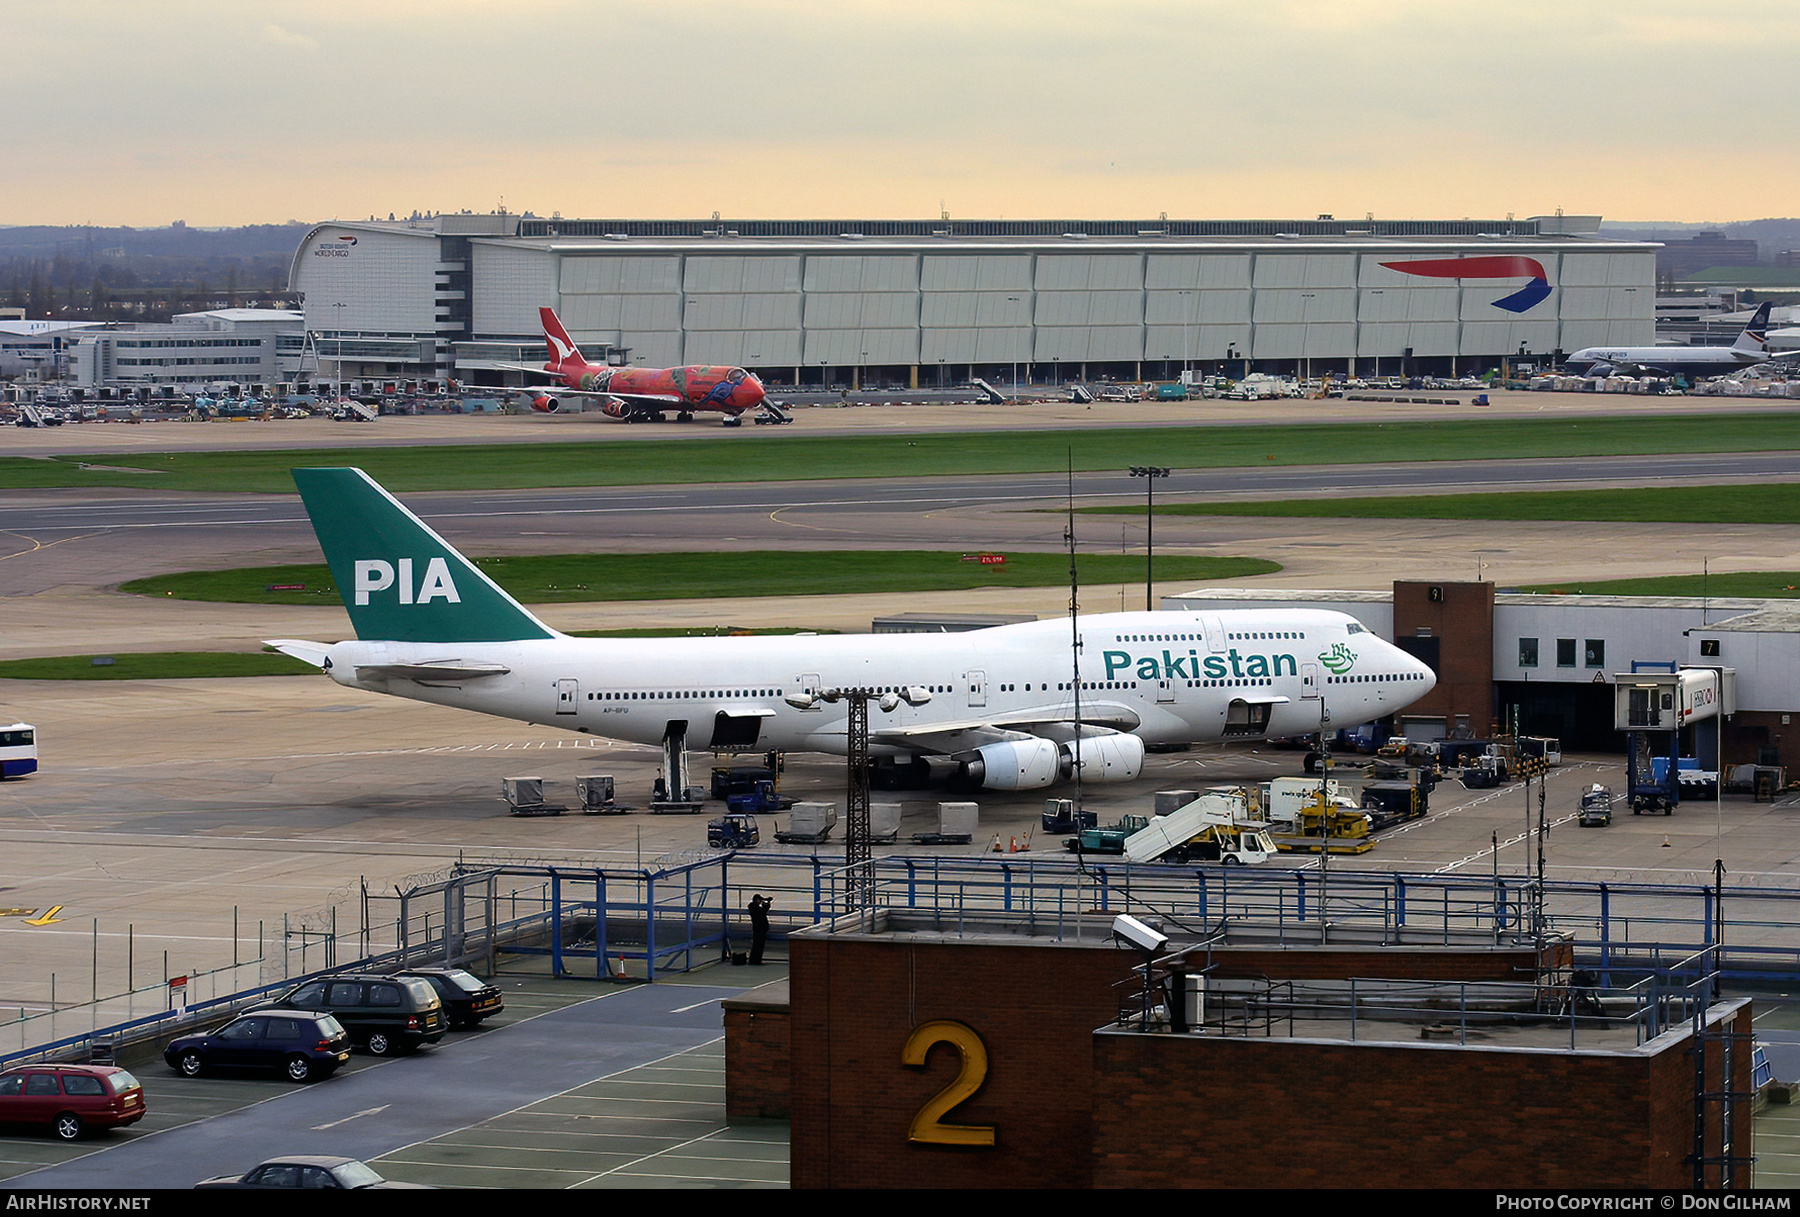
562	348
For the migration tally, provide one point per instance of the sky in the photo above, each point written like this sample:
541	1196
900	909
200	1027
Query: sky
225	112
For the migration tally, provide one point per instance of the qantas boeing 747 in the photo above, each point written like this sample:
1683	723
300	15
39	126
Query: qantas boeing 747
642	394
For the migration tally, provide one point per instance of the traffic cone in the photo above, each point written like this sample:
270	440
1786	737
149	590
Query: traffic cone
1666	841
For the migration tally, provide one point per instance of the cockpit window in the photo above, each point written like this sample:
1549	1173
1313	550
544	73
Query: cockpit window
1354	628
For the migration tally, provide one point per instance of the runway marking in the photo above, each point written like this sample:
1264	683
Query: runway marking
367	1111
37	545
47	918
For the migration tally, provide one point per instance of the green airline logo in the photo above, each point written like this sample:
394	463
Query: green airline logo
1170	666
1339	659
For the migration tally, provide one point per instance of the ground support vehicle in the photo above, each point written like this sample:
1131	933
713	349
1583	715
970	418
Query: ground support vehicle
1060	815
1596	807
1214	827
1108	840
70	1100
761	797
810	824
734	830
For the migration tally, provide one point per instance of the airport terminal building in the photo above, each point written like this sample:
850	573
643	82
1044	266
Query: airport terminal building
927	302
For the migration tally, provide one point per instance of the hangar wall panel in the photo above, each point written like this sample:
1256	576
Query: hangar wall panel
754	348
1607	269
1088	342
1173	271
1507	337
846	348
1097	272
1315	340
652	348
864	273
1305	270
948	309
741	273
1305	305
385	281
852	310
1196	307
1197	342
620	273
1392	338
742	311
976	272
1089	308
515	284
1381	304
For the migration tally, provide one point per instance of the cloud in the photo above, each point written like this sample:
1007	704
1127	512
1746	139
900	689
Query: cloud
282	36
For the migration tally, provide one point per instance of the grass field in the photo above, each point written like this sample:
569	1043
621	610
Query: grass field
157	665
1754	585
755	457
569	578
1771	503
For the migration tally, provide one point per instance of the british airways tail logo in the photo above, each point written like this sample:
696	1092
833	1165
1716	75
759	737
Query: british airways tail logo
1504	266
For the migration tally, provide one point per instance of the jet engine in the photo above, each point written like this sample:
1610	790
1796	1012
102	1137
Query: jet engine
1015	765
612	407
543	403
1115	757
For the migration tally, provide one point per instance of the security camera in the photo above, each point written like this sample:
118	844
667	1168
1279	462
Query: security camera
1132	932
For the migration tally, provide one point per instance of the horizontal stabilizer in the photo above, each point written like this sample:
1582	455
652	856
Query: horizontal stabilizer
299	648
432	671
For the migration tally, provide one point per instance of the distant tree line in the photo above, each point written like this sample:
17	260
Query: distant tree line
125	274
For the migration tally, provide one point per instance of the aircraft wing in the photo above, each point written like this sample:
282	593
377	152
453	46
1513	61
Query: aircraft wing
1051	722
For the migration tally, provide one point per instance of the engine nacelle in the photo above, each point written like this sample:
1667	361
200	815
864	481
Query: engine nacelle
612	407
1016	765
543	403
1111	758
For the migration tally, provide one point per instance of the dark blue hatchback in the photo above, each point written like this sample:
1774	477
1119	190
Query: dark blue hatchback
302	1045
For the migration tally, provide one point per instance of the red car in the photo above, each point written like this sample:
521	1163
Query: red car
70	1099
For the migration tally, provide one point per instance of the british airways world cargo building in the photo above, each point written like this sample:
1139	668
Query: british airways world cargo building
930	302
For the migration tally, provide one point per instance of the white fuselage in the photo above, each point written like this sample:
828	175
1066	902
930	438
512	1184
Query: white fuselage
1170	677
1674	360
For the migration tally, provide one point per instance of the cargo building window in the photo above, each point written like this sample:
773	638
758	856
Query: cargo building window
1565	652
1528	653
1596	652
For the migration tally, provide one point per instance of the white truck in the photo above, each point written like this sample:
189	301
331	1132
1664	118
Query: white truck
1212	828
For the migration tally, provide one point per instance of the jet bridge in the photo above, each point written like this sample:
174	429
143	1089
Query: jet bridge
1653	709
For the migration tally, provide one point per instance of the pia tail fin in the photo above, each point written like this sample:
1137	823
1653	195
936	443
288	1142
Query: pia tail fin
399	580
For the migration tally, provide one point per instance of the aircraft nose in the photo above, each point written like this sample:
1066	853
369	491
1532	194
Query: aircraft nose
750	393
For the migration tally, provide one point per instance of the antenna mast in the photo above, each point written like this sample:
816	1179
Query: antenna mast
1074	635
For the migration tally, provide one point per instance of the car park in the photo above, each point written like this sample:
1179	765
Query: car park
382	1013
303	1045
312	1171
69	1100
467	998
